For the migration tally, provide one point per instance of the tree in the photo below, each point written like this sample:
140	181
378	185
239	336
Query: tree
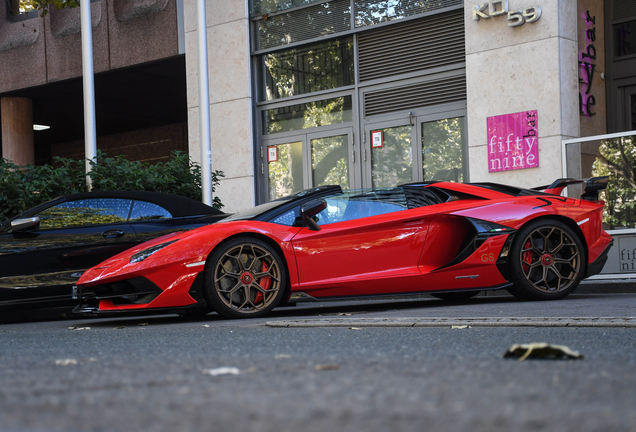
23	6
617	158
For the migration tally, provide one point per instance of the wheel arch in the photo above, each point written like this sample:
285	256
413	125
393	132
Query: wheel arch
270	242
570	224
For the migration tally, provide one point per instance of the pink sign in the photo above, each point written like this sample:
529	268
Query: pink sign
513	141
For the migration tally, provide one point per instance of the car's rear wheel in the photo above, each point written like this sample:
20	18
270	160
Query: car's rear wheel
456	296
245	277
546	261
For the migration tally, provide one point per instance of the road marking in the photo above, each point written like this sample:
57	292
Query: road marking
449	322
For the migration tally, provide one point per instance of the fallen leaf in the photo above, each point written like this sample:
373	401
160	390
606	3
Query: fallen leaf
121	327
538	350
327	367
66	362
142	324
222	371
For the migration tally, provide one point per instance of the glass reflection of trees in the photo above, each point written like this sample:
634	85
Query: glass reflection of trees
323	66
307	115
369	12
330	161
442	150
261	7
616	158
393	162
99	212
286	173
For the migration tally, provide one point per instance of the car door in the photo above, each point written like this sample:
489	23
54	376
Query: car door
43	264
366	242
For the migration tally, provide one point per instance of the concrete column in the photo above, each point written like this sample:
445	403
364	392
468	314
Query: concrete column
230	98
510	69
17	130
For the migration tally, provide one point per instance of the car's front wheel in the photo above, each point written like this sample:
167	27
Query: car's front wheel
546	261
245	277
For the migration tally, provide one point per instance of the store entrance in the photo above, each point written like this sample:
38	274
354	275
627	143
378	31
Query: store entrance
416	148
302	161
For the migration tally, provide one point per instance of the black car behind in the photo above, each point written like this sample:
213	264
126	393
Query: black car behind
44	251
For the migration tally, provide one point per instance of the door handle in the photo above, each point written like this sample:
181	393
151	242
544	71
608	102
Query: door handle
113	233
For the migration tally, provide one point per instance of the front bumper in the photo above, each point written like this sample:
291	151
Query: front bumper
136	295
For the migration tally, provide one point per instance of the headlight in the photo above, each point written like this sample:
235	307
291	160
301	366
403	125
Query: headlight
140	256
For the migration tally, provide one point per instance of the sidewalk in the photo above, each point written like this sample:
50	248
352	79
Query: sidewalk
457	323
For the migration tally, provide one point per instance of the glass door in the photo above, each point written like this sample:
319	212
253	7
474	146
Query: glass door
285	171
302	161
388	152
331	158
443	149
419	148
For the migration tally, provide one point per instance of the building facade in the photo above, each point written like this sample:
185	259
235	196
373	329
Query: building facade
140	88
376	93
359	93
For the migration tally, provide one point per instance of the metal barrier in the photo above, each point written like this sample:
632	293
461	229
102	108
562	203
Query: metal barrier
613	155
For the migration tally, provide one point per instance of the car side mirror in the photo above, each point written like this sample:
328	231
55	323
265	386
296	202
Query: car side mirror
25	224
311	209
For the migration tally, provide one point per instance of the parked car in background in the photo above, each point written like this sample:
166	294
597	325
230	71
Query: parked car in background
45	250
450	240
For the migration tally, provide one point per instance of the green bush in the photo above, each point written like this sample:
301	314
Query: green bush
23	187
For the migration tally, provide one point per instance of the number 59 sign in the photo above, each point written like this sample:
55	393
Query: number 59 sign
500	7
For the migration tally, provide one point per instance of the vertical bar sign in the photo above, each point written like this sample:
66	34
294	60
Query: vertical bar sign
513	141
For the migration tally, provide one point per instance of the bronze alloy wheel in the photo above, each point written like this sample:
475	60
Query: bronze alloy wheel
246	278
547	261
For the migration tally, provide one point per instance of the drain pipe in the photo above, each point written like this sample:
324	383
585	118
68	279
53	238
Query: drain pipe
204	106
90	140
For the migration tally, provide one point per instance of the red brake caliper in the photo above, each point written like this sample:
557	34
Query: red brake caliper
527	256
265	282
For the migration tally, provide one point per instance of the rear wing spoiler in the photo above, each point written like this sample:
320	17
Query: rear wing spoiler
592	186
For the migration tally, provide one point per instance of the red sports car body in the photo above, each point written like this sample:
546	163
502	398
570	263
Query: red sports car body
448	239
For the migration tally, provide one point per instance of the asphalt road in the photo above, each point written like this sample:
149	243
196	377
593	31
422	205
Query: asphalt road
157	373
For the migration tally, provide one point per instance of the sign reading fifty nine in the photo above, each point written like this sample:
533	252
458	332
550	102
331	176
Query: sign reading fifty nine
513	141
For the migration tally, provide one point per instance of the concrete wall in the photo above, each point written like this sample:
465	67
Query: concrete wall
146	145
230	97
125	32
513	69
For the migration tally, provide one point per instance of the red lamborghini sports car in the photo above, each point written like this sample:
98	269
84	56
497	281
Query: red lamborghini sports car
451	240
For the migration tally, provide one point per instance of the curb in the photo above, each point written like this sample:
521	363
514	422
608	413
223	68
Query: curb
629	322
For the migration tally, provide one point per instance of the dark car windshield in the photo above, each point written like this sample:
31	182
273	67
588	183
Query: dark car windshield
258	210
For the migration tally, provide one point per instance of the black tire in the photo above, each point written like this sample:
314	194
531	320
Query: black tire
456	296
244	278
546	261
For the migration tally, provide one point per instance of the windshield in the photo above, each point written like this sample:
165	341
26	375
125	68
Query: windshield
264	208
256	211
